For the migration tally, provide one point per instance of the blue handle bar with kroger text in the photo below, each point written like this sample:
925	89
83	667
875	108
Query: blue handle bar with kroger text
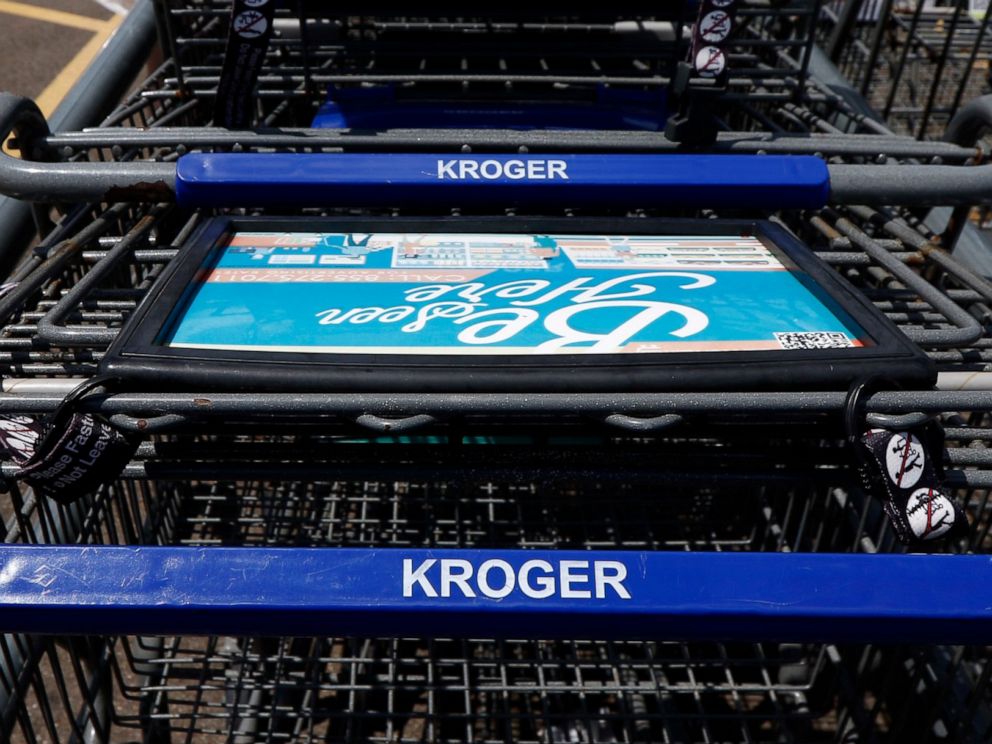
496	593
369	179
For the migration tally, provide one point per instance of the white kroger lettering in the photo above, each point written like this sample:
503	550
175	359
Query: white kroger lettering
515	169
449	577
568	579
491	170
413	578
496	579
614	579
509	578
545	584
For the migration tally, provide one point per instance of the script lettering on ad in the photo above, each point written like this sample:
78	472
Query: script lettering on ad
495	314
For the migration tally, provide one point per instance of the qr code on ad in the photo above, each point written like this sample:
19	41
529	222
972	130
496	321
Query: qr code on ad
813	340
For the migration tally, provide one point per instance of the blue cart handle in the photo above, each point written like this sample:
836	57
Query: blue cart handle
352	179
696	181
496	593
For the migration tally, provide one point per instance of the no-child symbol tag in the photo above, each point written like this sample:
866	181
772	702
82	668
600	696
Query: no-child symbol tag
710	62
250	24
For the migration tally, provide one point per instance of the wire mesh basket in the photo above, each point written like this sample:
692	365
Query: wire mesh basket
312	478
527	54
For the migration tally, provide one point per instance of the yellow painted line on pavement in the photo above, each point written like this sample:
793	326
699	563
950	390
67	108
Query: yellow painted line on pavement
55	91
60	17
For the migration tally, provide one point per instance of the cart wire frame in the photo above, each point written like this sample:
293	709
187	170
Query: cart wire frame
915	61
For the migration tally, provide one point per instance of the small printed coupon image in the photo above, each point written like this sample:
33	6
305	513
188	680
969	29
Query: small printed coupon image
444	293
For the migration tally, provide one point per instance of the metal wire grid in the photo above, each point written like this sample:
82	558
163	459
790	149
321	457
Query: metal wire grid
458	511
161	120
75	291
181	689
916	64
246	690
181	116
646	493
530	55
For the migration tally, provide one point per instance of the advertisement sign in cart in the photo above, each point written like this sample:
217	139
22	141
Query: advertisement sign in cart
504	294
485	304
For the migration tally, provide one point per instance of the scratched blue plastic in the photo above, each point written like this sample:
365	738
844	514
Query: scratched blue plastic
396	179
285	591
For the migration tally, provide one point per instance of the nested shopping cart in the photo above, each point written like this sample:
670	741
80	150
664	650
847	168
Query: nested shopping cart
917	63
243	578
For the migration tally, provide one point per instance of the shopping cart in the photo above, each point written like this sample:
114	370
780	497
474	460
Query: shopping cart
718	490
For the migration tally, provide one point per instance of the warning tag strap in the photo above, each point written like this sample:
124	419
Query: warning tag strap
247	43
713	28
67	456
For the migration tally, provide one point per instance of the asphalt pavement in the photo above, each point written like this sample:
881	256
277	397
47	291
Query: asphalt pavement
46	44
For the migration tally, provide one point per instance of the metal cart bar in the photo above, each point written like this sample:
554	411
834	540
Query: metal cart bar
312	180
399	139
224	405
217	179
485	593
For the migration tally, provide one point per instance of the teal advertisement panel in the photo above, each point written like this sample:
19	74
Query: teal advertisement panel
504	294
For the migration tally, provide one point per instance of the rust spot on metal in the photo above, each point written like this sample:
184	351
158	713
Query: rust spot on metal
202	402
145	191
142	424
